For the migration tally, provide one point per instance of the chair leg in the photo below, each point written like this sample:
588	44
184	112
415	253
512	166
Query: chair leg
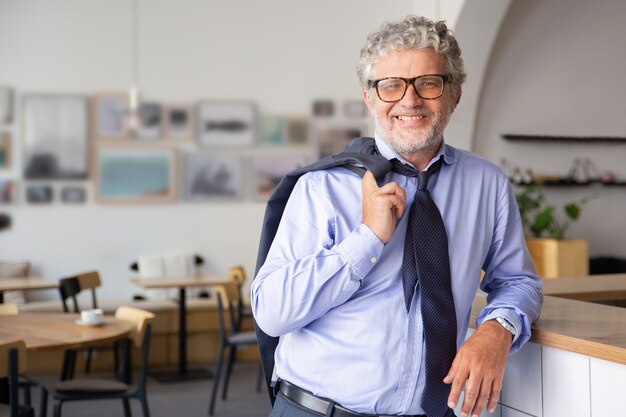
57	408
43	402
88	356
144	405
229	367
126	403
216	378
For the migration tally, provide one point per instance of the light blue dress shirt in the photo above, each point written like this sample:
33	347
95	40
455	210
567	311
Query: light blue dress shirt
333	292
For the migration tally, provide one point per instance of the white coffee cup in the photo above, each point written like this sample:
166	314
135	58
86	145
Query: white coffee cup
92	316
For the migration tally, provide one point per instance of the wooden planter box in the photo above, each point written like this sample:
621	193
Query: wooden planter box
559	258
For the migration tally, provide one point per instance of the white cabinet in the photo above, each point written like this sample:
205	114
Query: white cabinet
608	388
521	387
565	384
509	412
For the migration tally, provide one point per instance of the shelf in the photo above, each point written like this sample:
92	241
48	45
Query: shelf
570	139
569	183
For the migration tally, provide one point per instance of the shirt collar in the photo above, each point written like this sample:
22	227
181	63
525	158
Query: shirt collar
385	150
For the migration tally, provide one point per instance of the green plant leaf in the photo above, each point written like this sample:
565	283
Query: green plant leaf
542	221
572	210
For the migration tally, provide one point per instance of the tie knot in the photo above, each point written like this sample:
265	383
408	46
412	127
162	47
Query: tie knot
409	171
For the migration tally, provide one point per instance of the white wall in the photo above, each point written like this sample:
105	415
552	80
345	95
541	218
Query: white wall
557	69
187	49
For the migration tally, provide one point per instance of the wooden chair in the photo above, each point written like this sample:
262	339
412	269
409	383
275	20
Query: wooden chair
69	290
71	287
227	299
24	382
81	389
12	363
9	309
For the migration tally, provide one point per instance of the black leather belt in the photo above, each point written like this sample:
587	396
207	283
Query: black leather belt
320	405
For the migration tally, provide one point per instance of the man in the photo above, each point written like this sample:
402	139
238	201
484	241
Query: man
351	341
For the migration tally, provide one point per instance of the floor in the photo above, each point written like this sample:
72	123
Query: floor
188	399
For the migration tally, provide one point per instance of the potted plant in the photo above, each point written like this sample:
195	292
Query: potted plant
545	226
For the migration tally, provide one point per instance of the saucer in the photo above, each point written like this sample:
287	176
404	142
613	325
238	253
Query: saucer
85	323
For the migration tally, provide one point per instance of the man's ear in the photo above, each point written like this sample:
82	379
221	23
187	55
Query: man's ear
457	92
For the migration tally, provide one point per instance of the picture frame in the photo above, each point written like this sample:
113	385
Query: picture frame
271	130
178	120
8	191
150	125
332	137
39	193
6	149
136	174
109	116
73	194
323	108
228	124
55	136
269	170
210	177
297	131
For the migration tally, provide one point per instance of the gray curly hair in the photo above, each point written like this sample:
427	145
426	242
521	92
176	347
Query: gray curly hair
411	33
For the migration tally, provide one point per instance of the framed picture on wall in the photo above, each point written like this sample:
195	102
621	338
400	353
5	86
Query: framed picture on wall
8	191
178	121
72	194
297	131
136	174
39	194
150	121
6	104
332	137
109	115
210	177
5	150
271	130
267	171
223	123
55	136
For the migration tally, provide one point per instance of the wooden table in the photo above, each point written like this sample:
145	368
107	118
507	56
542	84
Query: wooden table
181	283
59	331
25	284
589	288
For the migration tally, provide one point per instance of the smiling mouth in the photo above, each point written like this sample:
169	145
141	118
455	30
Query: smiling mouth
409	118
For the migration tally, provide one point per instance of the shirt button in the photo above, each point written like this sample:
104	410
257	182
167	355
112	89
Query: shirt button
373	259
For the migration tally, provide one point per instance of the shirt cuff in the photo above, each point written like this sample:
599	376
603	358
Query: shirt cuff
508	315
362	250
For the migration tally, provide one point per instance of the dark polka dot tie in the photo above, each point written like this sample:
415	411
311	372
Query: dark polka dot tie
426	260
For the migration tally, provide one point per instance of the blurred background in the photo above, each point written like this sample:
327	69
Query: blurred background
137	127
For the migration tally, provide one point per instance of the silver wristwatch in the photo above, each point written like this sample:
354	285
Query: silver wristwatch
506	324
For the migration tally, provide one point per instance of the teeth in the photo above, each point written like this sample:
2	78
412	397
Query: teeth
409	118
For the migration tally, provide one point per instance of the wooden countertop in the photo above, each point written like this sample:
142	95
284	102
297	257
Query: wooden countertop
577	326
589	288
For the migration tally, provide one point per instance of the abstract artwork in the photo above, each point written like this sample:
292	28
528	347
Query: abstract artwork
267	171
55	137
226	123
212	177
139	174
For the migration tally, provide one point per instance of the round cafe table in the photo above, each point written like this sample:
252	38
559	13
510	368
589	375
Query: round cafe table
59	331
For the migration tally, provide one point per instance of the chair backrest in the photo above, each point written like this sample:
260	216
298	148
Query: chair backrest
139	335
12	362
227	300
70	287
237	274
9	309
138	318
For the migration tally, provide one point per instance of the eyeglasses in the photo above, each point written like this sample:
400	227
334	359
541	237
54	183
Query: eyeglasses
392	89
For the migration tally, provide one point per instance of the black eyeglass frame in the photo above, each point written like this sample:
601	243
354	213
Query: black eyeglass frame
447	78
